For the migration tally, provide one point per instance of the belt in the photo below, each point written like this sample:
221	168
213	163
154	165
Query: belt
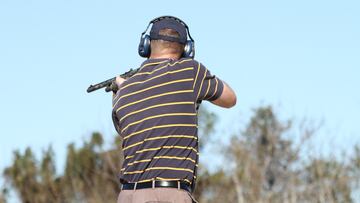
157	184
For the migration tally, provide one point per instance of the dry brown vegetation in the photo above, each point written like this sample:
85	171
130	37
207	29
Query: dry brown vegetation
262	164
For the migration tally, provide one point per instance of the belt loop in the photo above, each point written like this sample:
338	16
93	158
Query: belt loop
135	185
178	183
153	184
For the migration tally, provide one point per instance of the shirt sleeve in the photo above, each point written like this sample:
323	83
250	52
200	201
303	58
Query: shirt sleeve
116	122
206	86
113	114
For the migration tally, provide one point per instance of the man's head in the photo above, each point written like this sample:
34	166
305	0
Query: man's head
161	47
168	37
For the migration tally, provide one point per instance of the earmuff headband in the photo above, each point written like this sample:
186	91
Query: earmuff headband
171	17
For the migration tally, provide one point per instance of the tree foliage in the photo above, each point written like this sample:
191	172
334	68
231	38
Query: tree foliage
90	174
268	167
261	164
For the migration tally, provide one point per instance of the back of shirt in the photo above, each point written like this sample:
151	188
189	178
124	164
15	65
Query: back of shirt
154	112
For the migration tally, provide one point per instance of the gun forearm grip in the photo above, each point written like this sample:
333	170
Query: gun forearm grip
112	87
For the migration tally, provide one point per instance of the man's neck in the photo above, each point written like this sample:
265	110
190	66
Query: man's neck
164	56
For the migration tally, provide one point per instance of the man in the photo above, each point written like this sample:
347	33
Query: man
155	112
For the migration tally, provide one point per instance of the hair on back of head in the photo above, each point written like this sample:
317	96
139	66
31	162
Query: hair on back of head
167	47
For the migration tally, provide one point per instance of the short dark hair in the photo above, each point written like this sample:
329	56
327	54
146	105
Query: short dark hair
162	46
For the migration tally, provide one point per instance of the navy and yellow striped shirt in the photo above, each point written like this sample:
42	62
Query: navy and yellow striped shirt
154	112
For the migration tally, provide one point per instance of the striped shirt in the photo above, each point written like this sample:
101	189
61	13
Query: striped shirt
154	112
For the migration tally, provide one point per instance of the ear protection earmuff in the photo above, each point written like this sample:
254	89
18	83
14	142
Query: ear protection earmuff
144	48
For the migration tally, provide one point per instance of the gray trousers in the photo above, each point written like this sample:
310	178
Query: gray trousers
155	195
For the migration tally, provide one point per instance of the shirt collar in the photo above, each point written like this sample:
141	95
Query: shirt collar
157	60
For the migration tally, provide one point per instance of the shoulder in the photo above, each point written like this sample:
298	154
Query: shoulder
187	62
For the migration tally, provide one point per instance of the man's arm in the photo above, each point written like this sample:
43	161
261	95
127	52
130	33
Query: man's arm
212	89
227	98
118	81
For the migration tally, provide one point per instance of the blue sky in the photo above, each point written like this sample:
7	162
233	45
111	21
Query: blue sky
303	57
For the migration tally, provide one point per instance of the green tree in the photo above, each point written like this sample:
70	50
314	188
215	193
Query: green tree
90	174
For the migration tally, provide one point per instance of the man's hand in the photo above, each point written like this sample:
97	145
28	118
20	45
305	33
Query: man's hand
119	80
116	84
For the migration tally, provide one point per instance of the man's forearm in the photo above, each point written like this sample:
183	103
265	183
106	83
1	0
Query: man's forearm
227	98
